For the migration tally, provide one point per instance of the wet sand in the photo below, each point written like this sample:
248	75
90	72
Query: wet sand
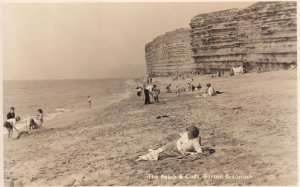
252	126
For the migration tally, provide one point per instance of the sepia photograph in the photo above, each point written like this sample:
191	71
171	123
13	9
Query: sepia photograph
153	93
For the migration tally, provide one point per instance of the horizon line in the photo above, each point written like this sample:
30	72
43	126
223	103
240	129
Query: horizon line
105	78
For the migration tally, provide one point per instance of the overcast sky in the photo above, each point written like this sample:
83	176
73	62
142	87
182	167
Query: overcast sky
89	40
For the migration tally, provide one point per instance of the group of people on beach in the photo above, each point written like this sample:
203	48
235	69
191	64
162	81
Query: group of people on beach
12	120
153	91
189	142
150	90
209	91
34	123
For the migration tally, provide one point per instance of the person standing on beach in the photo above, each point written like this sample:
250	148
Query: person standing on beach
177	91
11	114
10	124
90	101
155	92
40	118
147	96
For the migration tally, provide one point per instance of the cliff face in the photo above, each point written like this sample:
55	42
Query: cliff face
263	35
170	54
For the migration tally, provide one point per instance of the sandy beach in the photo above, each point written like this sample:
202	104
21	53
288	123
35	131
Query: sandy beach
252	126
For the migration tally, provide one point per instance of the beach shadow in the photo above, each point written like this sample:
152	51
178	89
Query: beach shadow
26	133
208	151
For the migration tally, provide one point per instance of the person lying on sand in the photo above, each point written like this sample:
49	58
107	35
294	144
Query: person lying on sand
189	143
10	124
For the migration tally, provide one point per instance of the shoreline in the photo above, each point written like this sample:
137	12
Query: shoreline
58	121
245	126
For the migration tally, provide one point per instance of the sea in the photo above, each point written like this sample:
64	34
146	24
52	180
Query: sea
56	97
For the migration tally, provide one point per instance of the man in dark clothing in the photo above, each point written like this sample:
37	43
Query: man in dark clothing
11	113
147	96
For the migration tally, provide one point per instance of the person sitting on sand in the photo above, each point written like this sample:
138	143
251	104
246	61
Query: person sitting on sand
199	86
210	91
139	91
33	125
189	143
10	124
169	88
188	87
40	117
193	87
11	114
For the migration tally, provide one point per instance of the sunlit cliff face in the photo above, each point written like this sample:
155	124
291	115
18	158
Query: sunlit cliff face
262	36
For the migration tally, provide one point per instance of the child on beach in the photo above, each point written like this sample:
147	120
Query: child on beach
11	113
33	125
10	124
189	143
40	117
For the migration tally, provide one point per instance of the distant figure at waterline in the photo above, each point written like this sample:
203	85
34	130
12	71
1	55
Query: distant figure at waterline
90	101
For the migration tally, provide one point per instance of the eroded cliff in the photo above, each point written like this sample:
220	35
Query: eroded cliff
170	54
263	36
